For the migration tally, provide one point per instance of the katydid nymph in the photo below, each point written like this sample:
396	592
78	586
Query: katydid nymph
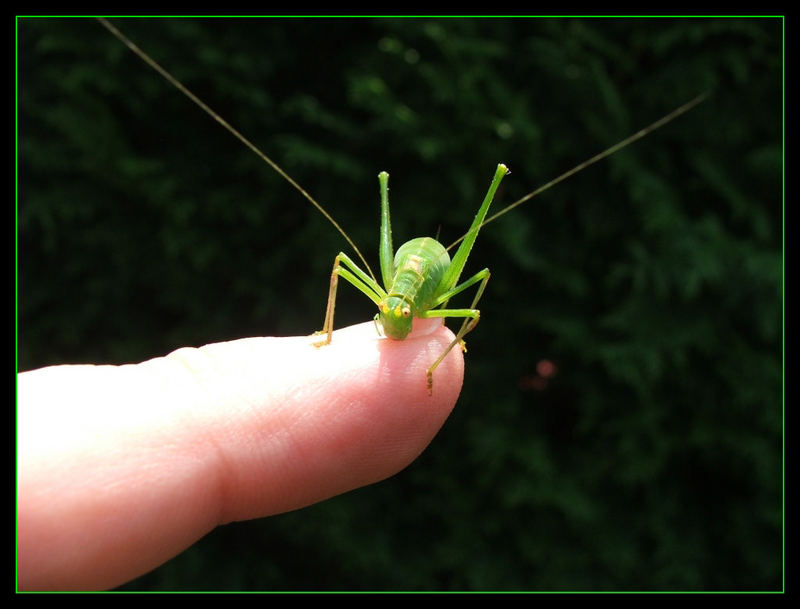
419	279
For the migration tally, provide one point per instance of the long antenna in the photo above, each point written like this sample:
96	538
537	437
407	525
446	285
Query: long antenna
178	85
598	157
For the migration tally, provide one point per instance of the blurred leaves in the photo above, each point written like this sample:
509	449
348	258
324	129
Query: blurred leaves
650	460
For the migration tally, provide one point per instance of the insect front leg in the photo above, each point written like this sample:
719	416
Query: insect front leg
471	316
345	268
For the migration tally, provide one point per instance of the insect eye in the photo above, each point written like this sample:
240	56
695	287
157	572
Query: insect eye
406	312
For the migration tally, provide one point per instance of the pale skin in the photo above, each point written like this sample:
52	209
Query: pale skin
120	468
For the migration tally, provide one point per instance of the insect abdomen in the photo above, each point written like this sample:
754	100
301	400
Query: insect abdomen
419	266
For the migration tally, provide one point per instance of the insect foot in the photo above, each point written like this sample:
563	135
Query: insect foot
323	342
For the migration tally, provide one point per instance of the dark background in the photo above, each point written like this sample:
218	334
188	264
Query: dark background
649	460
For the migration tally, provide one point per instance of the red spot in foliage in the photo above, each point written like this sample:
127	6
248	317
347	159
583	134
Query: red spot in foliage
537	381
532	381
546	368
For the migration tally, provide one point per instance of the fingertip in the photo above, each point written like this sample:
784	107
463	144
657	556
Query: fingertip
382	392
308	422
410	360
396	371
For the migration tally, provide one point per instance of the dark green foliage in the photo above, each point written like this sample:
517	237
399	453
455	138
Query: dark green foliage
650	460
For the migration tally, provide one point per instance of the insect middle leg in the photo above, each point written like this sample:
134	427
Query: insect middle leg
345	268
471	316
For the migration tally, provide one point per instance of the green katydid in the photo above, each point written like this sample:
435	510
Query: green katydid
419	278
